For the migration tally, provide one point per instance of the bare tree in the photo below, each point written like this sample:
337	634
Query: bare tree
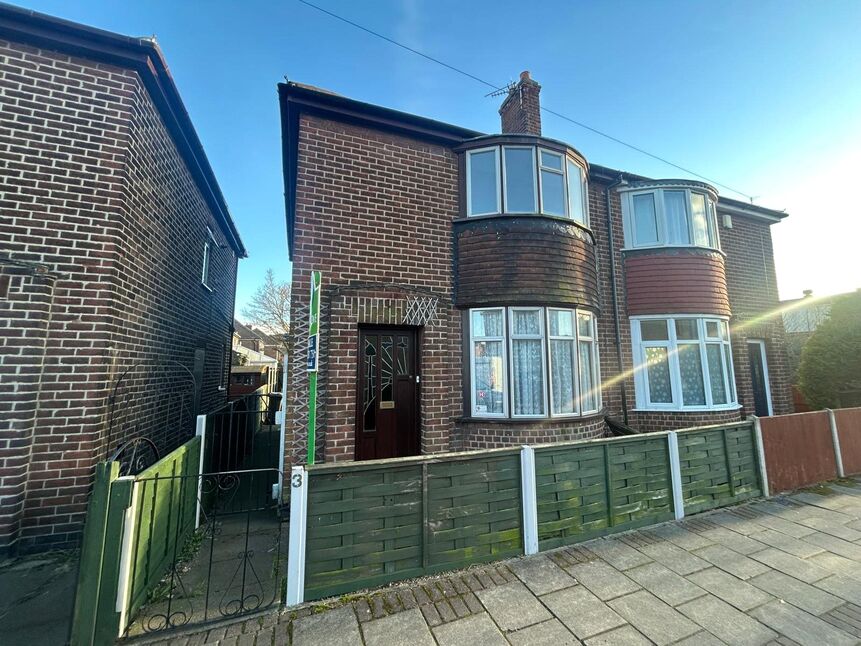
269	308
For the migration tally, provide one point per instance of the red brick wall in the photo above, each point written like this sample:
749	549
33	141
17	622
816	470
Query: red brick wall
90	187
752	286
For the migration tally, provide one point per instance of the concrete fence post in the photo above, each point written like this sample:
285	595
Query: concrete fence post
760	453
529	495
298	535
201	433
676	475
835	438
127	556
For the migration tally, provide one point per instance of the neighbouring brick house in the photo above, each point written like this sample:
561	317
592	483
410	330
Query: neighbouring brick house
477	293
117	257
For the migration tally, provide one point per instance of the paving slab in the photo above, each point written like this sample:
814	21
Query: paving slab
674	557
800	594
680	536
727	519
582	612
475	629
783	526
703	638
665	584
794	546
624	636
618	554
541	575
654	618
513	606
837	564
846	588
791	565
547	633
801	626
603	580
406	628
835	545
337	627
726	623
817	500
847	532
731	589
731	561
733	540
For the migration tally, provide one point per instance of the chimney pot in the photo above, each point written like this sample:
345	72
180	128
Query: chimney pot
520	112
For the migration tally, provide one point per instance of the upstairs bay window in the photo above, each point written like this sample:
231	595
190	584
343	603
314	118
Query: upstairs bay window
525	179
533	362
683	363
674	215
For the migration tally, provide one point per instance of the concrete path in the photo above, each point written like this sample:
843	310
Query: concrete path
784	571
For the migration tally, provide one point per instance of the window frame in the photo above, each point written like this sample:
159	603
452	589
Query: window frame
472	371
501	179
657	193
208	245
641	381
511	338
507	355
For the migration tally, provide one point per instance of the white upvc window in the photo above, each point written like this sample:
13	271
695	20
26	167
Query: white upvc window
488	373
208	246
672	216
524	179
551	359
483	181
528	381
683	363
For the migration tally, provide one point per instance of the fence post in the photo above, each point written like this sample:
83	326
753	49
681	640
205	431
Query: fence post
201	433
760	452
298	532
835	438
676	475
530	500
126	555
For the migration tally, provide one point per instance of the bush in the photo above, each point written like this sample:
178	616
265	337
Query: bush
831	359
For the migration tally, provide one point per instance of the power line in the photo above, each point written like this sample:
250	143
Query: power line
545	109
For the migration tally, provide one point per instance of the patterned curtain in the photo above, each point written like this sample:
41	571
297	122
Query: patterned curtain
562	376
528	380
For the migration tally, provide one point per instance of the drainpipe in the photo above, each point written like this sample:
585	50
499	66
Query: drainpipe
611	241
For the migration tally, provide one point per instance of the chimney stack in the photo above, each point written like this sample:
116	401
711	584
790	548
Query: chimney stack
521	111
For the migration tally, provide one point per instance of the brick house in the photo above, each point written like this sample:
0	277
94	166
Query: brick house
489	290
118	260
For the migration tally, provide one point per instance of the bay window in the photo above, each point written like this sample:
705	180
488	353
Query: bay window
683	363
525	179
679	214
533	362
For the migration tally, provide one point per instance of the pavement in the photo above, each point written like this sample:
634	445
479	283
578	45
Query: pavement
782	571
36	597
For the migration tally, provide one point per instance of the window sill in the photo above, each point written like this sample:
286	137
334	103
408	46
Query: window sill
699	409
521	421
671	247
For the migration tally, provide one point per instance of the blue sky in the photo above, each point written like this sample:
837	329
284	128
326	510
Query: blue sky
761	96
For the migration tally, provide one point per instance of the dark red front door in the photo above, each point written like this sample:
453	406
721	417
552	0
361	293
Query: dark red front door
386	425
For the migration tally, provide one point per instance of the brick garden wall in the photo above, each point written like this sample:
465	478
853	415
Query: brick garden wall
83	193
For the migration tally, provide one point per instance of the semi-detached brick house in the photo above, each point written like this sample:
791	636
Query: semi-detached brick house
116	250
490	290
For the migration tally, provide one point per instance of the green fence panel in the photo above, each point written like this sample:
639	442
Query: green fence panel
165	499
474	511
364	528
597	488
719	466
85	613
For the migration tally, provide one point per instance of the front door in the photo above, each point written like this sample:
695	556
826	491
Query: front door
759	377
387	397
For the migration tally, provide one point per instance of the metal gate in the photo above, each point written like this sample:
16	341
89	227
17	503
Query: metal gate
226	561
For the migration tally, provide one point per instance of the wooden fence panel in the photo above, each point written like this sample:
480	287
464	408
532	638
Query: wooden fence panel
593	489
165	499
718	466
474	511
364	528
849	431
799	450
